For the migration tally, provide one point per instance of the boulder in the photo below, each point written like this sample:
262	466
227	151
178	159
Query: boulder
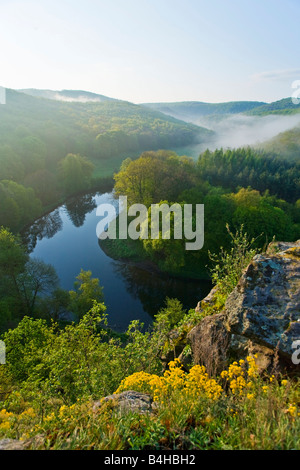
262	314
209	342
129	401
15	444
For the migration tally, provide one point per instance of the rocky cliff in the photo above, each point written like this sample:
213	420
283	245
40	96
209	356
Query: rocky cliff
261	315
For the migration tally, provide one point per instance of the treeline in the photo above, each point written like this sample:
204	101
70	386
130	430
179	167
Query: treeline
163	177
21	203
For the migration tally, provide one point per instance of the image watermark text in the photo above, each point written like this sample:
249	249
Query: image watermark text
160	221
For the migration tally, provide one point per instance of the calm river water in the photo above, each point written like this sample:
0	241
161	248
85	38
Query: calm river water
66	238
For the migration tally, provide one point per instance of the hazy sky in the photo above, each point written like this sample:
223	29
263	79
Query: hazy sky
153	50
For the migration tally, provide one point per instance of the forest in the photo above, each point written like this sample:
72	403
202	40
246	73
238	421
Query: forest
240	187
57	369
51	149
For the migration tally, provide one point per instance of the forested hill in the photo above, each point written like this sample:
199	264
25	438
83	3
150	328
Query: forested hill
284	106
191	110
286	144
96	129
51	149
67	95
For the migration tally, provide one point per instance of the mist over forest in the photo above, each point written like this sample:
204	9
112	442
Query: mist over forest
241	130
231	129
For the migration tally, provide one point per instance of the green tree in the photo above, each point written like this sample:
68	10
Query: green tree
19	205
75	172
44	184
154	176
13	256
11	166
33	153
87	290
38	278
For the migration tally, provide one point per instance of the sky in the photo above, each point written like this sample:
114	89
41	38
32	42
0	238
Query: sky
153	50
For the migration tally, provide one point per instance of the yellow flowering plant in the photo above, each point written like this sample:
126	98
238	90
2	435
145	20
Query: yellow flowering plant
192	384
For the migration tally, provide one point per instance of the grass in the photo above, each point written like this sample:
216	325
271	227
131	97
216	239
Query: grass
263	415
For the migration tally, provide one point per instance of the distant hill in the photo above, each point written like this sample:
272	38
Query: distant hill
192	110
242	123
85	113
284	106
286	144
43	131
67	95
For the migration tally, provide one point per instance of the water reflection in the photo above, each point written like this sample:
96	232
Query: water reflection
67	239
152	288
78	207
45	227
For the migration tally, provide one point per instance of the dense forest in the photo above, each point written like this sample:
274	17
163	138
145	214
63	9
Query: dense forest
239	187
51	149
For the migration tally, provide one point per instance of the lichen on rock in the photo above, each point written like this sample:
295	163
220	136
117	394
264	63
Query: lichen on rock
262	312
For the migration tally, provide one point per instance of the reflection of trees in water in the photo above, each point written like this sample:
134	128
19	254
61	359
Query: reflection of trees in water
45	227
152	288
48	225
78	207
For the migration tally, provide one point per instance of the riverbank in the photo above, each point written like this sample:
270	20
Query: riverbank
133	289
132	251
98	185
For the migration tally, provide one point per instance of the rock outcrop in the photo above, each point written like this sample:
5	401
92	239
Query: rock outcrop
129	401
261	315
12	444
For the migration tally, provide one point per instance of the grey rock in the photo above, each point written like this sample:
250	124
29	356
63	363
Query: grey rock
12	444
129	401
209	342
265	305
261	315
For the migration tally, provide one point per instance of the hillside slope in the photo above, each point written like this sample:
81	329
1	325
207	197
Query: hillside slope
191	110
99	130
285	144
284	106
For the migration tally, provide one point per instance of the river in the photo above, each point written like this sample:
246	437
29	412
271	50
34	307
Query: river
66	238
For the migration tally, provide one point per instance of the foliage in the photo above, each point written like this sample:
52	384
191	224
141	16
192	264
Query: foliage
37	278
19	205
245	167
161	177
54	379
87	290
228	265
154	175
285	145
75	172
42	143
235	411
